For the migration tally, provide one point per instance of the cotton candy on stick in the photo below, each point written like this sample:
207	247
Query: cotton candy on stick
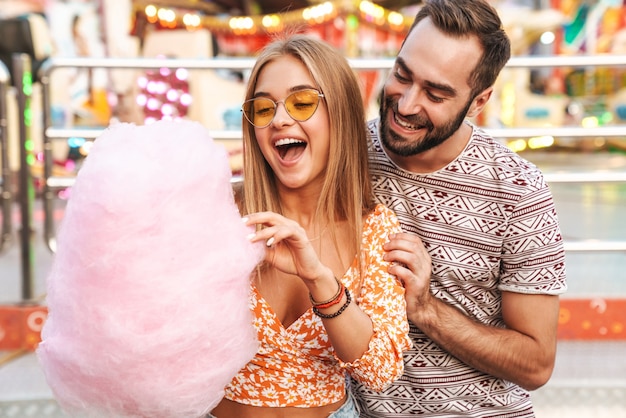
148	291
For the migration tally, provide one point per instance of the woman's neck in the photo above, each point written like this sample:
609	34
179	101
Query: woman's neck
301	206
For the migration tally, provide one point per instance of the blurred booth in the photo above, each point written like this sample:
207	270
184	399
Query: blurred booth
27	34
211	95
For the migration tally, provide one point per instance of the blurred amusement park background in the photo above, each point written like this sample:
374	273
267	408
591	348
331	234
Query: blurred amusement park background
70	68
540	94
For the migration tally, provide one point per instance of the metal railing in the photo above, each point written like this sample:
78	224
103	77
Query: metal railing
6	197
52	183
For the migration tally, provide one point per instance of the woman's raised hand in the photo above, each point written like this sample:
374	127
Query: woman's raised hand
288	246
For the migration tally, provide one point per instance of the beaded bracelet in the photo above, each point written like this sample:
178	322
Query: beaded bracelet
336	314
332	301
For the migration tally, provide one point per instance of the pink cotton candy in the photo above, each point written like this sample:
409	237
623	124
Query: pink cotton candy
148	293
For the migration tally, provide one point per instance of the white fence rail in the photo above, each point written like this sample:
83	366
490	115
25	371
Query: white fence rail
51	133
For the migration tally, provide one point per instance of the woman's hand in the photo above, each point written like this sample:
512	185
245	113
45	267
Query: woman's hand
288	246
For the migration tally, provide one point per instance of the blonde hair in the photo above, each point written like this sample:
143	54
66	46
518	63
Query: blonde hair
346	192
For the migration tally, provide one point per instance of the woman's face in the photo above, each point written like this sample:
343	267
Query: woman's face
297	151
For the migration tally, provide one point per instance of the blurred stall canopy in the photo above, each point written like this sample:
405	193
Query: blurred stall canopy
252	7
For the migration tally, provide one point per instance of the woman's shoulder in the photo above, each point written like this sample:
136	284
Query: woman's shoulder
381	211
381	219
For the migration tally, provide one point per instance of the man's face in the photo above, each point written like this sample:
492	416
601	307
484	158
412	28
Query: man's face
427	96
432	137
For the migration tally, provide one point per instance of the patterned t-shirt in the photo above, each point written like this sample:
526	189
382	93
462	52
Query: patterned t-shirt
489	224
297	367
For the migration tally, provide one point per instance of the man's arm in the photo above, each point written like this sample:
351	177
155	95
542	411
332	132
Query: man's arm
522	353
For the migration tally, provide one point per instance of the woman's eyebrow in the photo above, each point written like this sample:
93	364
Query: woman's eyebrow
291	90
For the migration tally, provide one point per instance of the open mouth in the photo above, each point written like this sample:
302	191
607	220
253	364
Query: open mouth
406	125
290	149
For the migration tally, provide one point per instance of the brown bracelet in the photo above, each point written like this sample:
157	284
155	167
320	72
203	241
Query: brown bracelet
336	314
330	302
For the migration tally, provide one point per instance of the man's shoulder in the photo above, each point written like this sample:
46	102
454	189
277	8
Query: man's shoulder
373	137
509	163
373	122
482	138
372	127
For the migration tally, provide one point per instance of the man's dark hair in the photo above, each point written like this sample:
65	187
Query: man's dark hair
462	18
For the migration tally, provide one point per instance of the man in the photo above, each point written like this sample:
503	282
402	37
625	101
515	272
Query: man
482	257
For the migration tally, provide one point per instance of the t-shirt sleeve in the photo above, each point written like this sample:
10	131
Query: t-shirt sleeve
533	259
381	296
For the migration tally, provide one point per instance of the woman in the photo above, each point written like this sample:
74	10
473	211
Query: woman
323	300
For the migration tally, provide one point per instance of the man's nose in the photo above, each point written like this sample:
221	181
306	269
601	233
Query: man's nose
410	101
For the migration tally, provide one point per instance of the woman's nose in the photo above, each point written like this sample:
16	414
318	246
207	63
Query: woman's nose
281	117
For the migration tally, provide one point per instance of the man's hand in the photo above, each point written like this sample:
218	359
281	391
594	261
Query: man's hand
411	264
523	352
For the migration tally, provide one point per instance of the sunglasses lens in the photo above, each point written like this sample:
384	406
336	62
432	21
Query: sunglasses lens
301	105
259	111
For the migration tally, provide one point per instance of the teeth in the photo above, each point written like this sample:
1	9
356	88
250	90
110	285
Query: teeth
287	141
404	124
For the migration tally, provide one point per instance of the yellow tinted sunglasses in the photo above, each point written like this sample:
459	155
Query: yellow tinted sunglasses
300	105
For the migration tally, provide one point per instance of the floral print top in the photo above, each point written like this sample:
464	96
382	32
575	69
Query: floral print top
297	366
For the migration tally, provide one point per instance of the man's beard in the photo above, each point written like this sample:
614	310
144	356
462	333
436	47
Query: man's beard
435	135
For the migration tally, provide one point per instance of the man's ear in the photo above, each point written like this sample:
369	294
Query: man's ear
479	102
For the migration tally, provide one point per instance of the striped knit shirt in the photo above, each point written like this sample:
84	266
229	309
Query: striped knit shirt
489	224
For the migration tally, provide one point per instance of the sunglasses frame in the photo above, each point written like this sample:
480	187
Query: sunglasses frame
276	103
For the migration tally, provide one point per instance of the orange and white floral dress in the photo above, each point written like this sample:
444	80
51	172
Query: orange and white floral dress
297	366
